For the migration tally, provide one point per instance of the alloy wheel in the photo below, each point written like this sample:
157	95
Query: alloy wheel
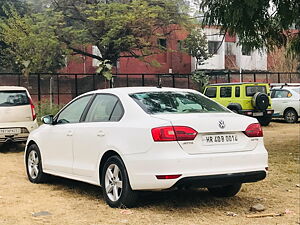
113	182
33	164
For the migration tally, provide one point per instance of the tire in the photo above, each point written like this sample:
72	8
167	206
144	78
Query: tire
264	121
260	101
34	166
225	191
290	116
116	188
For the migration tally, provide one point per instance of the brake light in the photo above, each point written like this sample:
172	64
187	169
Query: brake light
32	110
173	133
254	130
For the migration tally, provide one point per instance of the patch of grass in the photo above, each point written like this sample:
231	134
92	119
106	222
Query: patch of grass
45	108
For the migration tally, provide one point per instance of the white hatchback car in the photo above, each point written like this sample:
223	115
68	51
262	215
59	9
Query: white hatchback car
17	114
146	138
286	103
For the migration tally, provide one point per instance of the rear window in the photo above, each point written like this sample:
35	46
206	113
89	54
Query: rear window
251	90
13	98
175	102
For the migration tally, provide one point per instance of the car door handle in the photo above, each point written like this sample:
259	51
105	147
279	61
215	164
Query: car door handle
100	133
70	133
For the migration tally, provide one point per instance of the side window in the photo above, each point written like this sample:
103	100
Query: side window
237	92
73	112
104	108
211	92
281	94
225	92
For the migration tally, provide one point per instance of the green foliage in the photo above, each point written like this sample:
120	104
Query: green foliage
45	108
258	23
32	42
201	79
105	69
196	45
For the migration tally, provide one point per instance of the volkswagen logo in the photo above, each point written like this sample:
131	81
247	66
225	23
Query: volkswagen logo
222	124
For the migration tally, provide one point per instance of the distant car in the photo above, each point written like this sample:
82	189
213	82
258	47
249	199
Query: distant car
286	103
248	98
17	114
130	139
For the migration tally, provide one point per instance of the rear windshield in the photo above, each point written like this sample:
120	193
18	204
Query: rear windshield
175	102
13	98
251	90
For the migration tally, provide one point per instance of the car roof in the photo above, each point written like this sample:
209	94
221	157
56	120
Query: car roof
12	88
131	90
240	83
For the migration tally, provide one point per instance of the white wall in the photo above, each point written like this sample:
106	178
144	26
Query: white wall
216	61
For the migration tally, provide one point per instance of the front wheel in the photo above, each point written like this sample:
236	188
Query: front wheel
115	184
225	191
290	116
34	167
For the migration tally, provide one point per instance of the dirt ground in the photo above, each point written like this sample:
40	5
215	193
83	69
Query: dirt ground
62	201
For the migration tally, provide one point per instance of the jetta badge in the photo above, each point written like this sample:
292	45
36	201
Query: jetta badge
222	124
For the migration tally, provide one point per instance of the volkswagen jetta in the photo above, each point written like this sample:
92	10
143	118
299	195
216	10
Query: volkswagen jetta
147	138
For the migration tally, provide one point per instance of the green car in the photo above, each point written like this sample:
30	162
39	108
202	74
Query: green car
250	99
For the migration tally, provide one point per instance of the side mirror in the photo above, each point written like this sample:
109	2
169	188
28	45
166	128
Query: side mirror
47	119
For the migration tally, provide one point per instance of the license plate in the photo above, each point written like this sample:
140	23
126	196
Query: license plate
258	114
220	139
10	131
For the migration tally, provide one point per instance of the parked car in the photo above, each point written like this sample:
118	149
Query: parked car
130	139
250	99
17	114
286	103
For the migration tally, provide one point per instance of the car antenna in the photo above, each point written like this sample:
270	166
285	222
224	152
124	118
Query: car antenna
159	83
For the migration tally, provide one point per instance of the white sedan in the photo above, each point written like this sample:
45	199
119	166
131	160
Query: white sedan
147	138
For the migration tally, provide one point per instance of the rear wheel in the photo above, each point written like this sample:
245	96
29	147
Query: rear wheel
290	116
34	167
225	191
115	184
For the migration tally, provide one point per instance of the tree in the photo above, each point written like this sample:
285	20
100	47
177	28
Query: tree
119	28
31	42
259	23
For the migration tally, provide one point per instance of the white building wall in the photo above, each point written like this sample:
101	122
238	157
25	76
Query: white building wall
216	62
256	61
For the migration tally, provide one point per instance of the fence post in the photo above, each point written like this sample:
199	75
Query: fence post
188	76
228	76
76	86
143	80
94	82
127	82
173	80
19	79
278	77
254	77
58	92
39	87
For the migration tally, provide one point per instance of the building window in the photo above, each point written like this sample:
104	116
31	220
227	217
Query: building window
246	51
180	45
213	47
162	42
230	48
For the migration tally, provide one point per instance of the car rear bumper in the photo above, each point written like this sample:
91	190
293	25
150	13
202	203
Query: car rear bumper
254	113
221	179
26	128
229	166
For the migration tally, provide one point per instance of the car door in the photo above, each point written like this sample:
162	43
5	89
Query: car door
93	136
280	101
57	147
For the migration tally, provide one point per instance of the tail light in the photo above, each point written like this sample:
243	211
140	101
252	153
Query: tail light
173	133
254	130
32	110
167	177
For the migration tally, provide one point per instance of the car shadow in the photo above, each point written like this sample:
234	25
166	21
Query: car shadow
11	148
283	121
165	200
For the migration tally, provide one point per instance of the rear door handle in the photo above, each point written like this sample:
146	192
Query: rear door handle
70	133
100	133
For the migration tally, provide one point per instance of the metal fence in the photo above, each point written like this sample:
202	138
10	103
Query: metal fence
60	88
